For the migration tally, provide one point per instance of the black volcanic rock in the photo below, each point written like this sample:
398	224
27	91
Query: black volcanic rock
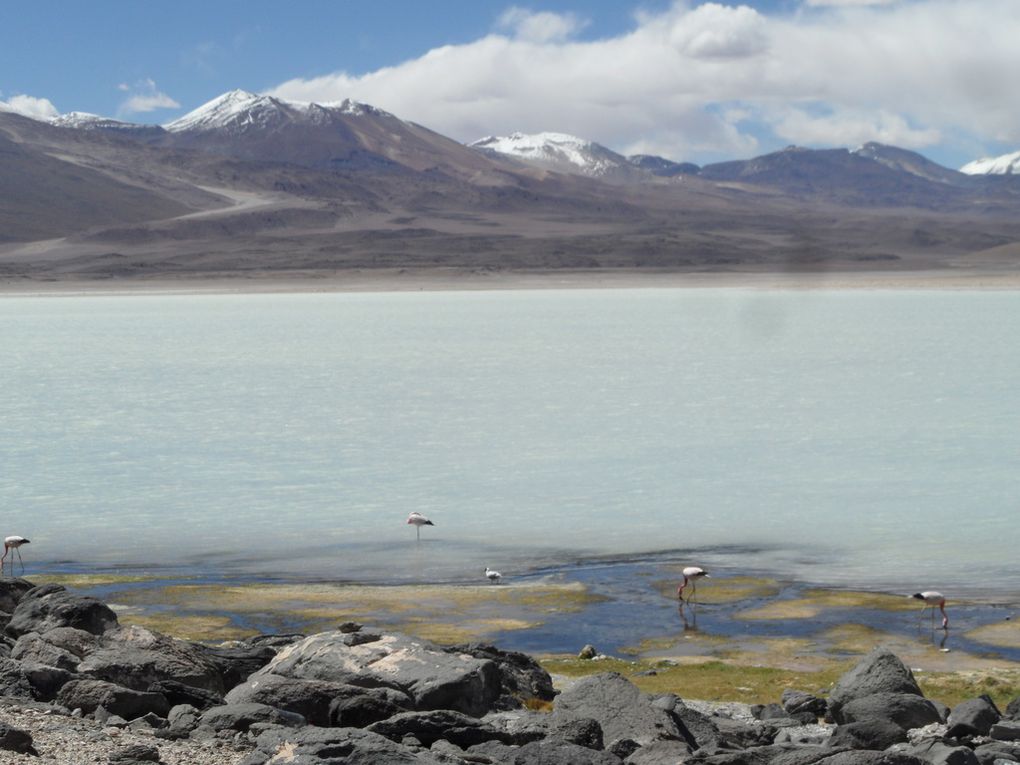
44	608
881	671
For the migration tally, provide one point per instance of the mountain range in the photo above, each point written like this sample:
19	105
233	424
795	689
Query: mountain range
252	185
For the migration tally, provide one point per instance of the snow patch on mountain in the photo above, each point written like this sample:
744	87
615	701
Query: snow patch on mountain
240	111
558	150
87	121
1007	164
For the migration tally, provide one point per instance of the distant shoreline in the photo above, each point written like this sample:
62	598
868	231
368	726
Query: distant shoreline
442	280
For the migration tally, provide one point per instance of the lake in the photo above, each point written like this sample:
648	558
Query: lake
855	438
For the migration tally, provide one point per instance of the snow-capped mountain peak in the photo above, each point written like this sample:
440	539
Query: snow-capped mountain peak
1007	164
88	121
236	109
558	151
240	110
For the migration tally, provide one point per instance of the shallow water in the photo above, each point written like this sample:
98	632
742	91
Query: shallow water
853	438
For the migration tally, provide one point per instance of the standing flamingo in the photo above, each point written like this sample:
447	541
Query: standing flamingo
932	599
691	576
13	543
493	576
418	520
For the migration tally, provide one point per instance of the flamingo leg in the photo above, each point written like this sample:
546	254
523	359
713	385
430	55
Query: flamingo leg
417	530
20	559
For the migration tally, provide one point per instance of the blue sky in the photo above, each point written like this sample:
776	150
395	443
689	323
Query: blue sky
690	80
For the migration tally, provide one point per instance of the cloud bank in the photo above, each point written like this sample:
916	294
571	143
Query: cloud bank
145	97
707	80
30	106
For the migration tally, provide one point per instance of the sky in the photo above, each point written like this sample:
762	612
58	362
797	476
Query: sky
688	80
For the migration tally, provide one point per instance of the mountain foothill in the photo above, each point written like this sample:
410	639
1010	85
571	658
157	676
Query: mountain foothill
255	186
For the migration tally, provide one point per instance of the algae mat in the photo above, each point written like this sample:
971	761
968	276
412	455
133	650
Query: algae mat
445	613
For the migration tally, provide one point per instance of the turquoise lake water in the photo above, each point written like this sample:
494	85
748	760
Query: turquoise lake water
842	437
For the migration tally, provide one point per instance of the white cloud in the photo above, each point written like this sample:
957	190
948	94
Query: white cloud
145	97
844	3
849	128
30	106
539	26
714	79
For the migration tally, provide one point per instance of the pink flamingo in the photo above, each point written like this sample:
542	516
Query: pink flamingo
932	599
691	576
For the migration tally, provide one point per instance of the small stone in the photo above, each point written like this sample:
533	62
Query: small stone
588	652
348	627
134	753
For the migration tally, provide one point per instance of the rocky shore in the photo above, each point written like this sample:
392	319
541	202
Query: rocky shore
78	687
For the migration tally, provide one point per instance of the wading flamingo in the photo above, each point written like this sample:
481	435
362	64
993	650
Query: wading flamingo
691	576
13	543
493	576
933	599
418	520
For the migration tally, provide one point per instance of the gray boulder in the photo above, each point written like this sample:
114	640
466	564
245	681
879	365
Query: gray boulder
235	663
74	641
904	709
988	753
868	734
46	681
560	753
49	606
799	702
938	753
356	707
179	693
136	658
11	593
87	695
326	746
659	753
701	731
183	716
14	682
521	727
1005	730
433	725
582	731
434	678
243	716
974	717
32	647
865	757
880	671
310	698
1013	709
619	707
134	754
805	735
521	678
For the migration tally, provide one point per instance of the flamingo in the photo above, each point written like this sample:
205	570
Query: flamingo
932	599
13	543
493	576
418	520
691	576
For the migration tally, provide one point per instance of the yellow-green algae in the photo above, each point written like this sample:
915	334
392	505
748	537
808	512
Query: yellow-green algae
733	681
84	581
190	626
813	602
443	613
731	589
1003	634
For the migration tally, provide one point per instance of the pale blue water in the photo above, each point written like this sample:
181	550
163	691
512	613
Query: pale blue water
847	437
